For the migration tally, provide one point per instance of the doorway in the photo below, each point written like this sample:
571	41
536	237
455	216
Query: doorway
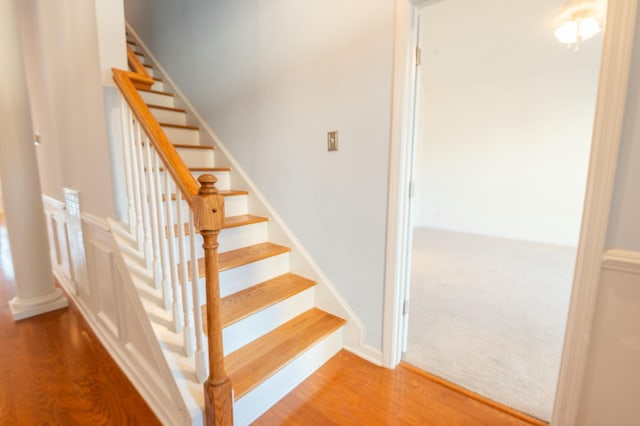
503	124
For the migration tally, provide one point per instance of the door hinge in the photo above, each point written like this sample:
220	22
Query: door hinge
405	307
418	56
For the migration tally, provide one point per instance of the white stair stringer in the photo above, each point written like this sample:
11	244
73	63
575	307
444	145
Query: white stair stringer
142	356
181	369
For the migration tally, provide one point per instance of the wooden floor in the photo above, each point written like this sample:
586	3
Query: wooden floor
54	371
350	391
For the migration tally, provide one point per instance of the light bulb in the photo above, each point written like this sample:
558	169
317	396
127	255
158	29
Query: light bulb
567	33
588	27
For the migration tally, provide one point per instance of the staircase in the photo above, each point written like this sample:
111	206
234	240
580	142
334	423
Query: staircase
273	334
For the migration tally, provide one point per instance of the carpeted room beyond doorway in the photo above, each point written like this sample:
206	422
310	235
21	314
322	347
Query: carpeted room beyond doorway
489	315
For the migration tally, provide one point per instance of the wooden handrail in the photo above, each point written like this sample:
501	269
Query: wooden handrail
142	79
172	161
208	212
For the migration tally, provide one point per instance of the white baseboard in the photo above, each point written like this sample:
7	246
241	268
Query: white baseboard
366	352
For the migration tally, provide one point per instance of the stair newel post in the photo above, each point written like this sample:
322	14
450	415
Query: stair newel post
209	217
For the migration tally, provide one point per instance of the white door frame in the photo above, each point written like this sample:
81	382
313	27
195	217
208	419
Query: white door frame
610	105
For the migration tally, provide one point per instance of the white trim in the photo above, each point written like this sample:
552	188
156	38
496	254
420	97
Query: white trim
396	256
96	221
366	352
610	107
327	296
27	308
622	260
54	202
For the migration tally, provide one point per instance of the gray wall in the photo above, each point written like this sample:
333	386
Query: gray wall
271	78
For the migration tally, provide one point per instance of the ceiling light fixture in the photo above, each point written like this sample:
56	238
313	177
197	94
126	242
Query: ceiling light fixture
578	21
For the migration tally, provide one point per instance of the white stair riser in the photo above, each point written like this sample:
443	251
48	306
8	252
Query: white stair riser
243	332
233	206
159	86
248	408
229	239
236	205
167	116
196	157
133	47
237	279
242	236
150	71
157	99
224	179
140	58
182	136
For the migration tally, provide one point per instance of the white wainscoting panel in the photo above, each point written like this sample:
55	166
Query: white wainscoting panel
612	378
112	308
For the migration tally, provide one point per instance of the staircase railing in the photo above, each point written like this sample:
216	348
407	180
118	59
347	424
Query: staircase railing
157	180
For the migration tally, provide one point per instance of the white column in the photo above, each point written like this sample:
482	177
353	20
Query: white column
24	211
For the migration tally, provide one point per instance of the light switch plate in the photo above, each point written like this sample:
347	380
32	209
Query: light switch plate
332	140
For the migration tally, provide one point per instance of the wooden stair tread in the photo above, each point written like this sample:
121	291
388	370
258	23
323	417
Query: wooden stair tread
256	362
157	92
240	257
243	256
233	192
199	169
241	220
179	145
210	169
166	108
226	193
242	304
229	222
179	126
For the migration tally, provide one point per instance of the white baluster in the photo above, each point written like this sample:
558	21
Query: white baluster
144	197
153	210
188	332
131	126
163	232
202	364
126	143
178	320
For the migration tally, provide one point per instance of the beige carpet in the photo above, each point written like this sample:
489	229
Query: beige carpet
489	314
